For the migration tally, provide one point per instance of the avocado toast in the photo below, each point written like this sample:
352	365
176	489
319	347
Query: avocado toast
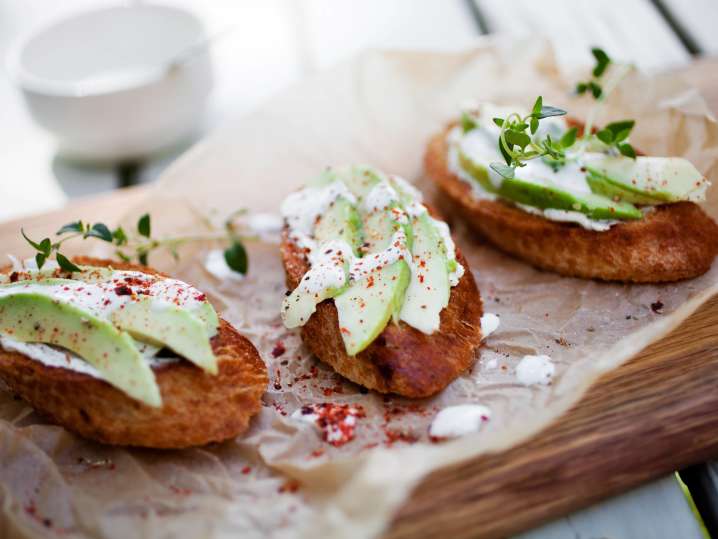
601	215
113	394
377	285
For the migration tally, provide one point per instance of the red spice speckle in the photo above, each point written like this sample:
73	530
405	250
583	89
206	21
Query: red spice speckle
123	290
246	470
336	421
278	349
290	486
657	307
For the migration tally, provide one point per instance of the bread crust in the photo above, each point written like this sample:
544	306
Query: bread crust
673	242
198	408
402	359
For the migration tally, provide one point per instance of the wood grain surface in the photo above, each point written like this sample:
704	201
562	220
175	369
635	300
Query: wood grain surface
657	413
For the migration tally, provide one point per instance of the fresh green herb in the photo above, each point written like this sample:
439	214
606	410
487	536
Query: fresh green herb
467	122
594	84
137	246
615	135
518	146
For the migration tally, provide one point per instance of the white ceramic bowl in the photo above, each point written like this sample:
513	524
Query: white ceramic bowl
119	119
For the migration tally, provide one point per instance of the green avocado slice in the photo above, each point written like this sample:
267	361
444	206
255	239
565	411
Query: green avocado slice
368	304
168	326
33	317
340	222
656	180
477	171
617	191
549	197
429	289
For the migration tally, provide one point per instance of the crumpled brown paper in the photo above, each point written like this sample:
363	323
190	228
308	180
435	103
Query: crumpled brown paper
281	479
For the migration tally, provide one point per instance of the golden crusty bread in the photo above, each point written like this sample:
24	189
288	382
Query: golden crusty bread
197	409
401	360
673	242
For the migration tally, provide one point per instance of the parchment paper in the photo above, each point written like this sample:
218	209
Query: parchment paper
281	479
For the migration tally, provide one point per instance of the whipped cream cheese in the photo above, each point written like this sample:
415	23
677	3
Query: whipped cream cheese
533	370
459	420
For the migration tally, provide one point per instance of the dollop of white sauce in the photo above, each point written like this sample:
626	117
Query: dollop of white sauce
217	266
489	323
533	370
459	420
445	234
328	270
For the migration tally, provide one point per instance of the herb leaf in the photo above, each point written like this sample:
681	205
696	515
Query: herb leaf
502	170
569	137
548	111
602	61
40	260
627	150
77	226
143	226
236	257
36	246
100	230
119	236
65	263
467	122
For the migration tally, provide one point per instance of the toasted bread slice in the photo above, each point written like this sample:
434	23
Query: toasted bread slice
401	360
197	409
673	242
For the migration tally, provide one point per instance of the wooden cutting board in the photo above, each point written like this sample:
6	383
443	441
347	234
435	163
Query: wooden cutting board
655	414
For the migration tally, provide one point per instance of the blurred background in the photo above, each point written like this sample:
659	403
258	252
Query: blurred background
265	46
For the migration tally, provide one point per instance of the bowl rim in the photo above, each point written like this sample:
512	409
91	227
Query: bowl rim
27	81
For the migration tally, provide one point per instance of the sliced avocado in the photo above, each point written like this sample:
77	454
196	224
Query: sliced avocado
340	222
359	179
477	171
33	317
339	226
429	288
168	326
659	179
548	196
368	304
601	185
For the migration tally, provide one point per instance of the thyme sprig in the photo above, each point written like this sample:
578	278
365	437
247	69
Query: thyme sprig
518	144
595	84
137	244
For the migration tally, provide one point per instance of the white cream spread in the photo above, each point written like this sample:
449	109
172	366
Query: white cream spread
52	356
459	420
489	323
533	370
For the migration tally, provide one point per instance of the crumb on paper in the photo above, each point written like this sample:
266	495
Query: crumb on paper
489	323
533	370
459	420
